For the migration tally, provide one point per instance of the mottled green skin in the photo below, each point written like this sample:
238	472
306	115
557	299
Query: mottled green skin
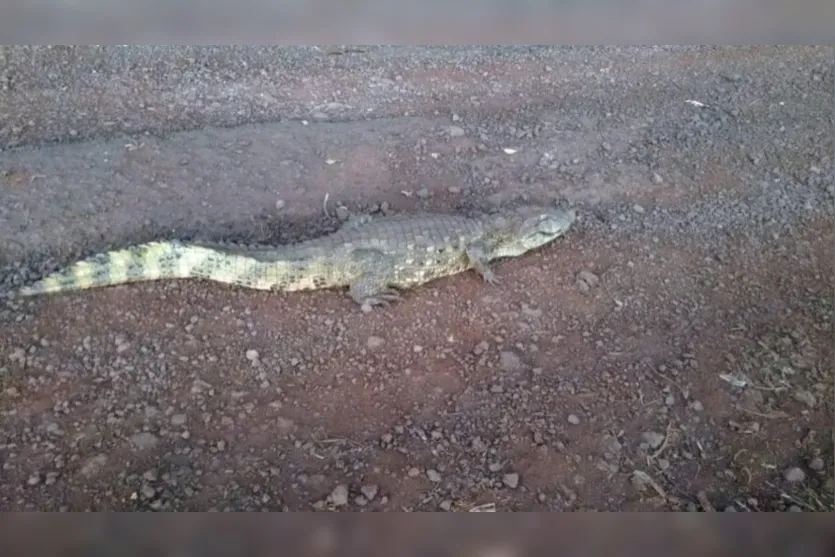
374	258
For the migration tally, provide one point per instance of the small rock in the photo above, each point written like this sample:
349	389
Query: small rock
178	419
573	419
413	472
252	355
589	278
511	480
638	209
611	447
653	438
481	348
806	398
696	406
478	445
509	361
144	441
148	491
455	117
34	480
454	190
374	342
422	193
456	131
794	475
816	464
445	505
670	400
370	491
93	466
656	177
342	213
433	475
339	496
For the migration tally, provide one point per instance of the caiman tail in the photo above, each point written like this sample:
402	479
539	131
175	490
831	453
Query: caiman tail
154	261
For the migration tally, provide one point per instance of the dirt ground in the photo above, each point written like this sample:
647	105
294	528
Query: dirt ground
672	352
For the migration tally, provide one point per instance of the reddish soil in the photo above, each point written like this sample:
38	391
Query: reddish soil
672	352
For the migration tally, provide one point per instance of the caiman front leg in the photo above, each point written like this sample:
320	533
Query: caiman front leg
373	285
477	255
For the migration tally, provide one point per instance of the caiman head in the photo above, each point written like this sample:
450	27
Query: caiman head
528	228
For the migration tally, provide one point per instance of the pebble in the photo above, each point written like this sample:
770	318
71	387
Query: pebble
339	496
696	406
456	131
589	278
369	491
252	355
816	464
806	398
422	193
374	342
413	472
611	447
573	419
342	213
93	466
178	419
148	492
653	438
794	475
144	441
511	480
433	475
481	348
478	445
34	479
509	361
638	209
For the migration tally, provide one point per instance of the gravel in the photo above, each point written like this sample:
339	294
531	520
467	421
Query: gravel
795	475
700	254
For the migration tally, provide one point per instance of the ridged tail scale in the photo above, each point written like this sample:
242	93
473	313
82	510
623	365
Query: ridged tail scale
154	261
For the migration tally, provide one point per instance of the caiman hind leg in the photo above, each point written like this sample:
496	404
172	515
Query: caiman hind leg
477	254
373	287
